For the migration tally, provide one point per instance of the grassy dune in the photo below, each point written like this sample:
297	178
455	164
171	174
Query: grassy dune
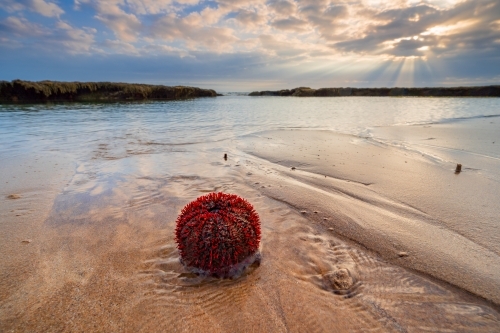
484	91
53	91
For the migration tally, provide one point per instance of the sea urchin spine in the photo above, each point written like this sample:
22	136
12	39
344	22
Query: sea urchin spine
218	234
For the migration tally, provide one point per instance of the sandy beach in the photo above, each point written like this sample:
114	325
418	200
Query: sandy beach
89	246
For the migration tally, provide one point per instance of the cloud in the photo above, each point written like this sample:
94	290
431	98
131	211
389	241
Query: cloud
278	32
250	19
42	7
74	40
193	34
327	19
144	7
153	7
290	24
21	27
62	36
283	8
283	49
126	26
381	28
238	4
466	26
120	47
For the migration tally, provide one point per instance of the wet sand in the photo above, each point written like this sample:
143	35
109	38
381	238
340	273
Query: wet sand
392	201
102	255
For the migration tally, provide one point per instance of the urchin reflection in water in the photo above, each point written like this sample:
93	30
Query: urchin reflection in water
218	234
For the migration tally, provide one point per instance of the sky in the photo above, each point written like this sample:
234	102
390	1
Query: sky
246	45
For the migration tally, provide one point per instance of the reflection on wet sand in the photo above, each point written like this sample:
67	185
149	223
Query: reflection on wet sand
107	261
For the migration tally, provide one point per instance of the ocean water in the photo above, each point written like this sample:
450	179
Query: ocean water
34	127
141	128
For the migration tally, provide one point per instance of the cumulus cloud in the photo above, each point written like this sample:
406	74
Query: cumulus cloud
120	47
405	31
291	24
195	36
126	26
19	28
283	8
73	39
250	19
45	8
151	7
62	36
143	7
281	48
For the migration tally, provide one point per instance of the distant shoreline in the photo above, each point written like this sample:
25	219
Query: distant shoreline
19	91
480	91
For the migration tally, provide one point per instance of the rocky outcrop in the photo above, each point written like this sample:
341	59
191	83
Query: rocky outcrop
484	91
52	91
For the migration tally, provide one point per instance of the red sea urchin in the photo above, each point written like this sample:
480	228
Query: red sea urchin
218	234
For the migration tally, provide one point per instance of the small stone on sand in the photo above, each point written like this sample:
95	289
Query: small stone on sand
293	168
331	229
303	212
14	196
403	254
26	241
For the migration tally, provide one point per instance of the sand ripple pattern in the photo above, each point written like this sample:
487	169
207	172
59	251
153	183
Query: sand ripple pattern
109	263
290	291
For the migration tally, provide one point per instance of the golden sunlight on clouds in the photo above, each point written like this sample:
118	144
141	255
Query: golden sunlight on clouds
445	30
340	36
287	29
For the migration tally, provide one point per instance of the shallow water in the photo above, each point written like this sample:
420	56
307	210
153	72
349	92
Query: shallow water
102	186
123	129
34	127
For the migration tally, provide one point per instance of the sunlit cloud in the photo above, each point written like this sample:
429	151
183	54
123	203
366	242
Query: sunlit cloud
450	29
45	8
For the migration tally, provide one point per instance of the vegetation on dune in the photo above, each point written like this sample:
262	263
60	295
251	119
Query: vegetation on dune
44	91
484	91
